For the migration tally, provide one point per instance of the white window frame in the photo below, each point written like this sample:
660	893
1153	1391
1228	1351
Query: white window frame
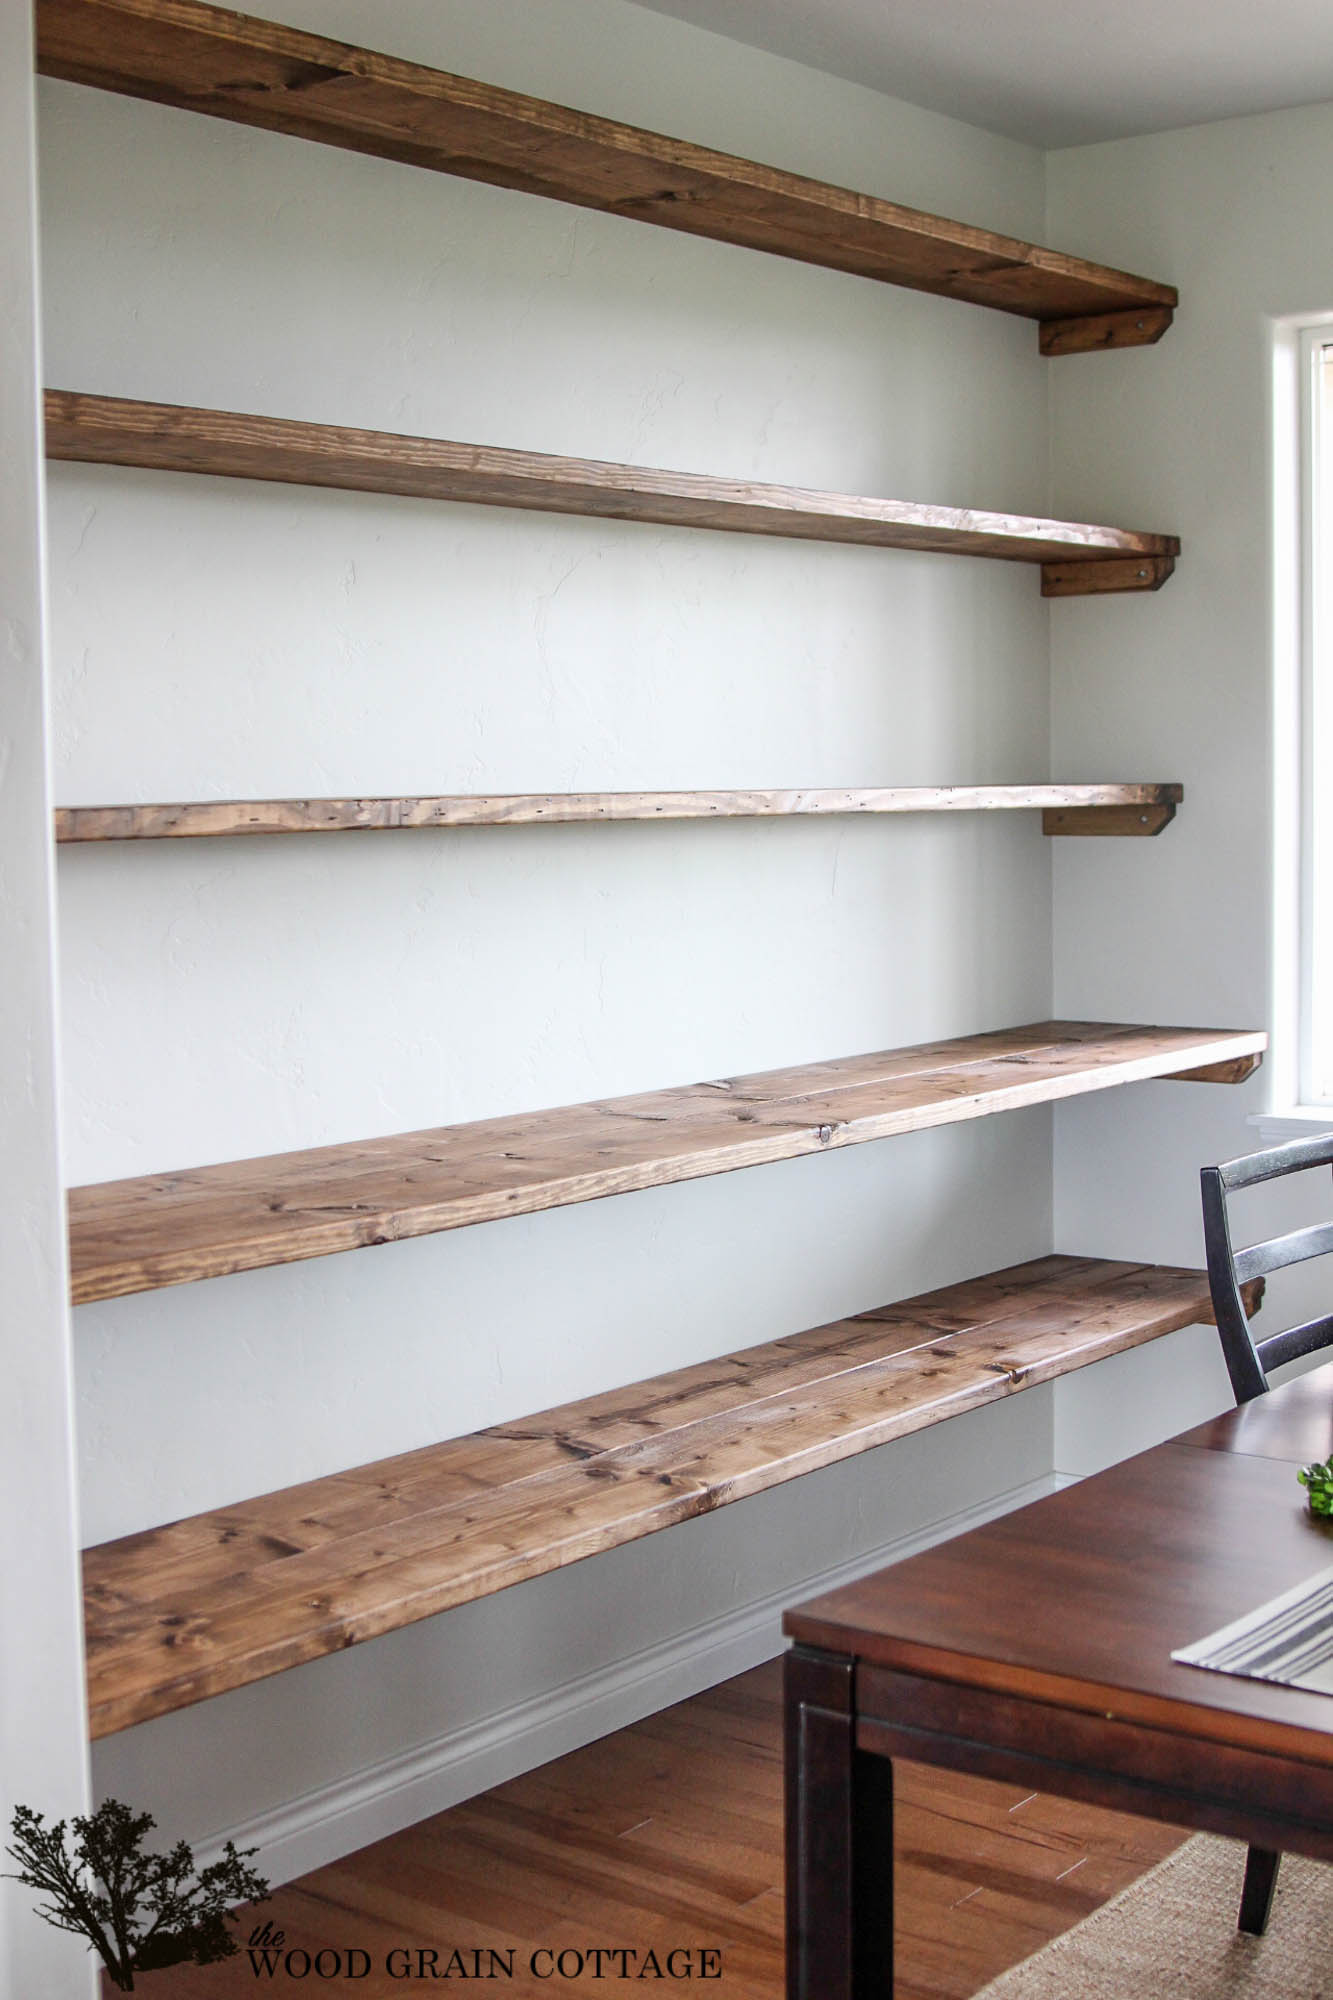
1302	1053
1315	950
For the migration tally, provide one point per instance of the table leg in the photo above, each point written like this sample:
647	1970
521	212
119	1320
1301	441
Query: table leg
839	1840
1257	1895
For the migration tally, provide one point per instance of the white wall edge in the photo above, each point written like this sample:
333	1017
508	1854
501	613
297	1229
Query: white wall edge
43	1722
1288	472
383	1798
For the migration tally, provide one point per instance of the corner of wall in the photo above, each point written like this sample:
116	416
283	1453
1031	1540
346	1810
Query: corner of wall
43	1745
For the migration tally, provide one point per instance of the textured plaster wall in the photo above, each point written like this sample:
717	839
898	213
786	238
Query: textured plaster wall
222	639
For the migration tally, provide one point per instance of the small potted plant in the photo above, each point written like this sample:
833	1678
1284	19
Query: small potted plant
1318	1483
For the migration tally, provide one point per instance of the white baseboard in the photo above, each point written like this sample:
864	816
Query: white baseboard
383	1798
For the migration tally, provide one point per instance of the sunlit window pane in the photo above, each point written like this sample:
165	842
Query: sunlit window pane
1319	888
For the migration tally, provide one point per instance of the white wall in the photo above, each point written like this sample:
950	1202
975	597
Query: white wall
214	639
43	1761
1236	214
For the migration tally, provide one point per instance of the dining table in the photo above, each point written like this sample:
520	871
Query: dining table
1036	1650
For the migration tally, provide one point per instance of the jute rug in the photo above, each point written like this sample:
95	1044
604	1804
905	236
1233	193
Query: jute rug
1172	1934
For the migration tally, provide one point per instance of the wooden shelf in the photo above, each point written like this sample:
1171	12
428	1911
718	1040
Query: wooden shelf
205	1222
1065	809
193	1609
228	65
1077	559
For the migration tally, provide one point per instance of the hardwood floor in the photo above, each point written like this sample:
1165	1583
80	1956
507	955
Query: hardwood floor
668	1837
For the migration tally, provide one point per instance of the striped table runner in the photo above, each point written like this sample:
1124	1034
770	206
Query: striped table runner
1289	1639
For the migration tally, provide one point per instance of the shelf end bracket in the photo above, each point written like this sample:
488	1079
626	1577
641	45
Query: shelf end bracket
1091	576
1090	333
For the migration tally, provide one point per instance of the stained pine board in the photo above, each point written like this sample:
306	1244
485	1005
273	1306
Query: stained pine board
228	65
1114	809
110	430
186	1611
204	1222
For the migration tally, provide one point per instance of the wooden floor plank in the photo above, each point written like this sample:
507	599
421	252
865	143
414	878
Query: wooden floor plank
536	1864
173	1228
180	1613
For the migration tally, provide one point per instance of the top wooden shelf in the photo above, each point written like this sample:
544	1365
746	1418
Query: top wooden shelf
204	1222
229	65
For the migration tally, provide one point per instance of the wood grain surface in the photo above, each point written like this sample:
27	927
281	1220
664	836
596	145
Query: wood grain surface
1077	809
229	65
1096	332
1134	817
172	1228
185	1611
1082	577
1296	1426
110	430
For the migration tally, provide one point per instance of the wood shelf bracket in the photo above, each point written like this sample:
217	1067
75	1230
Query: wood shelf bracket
1081	578
1124	822
1094	333
1234	1070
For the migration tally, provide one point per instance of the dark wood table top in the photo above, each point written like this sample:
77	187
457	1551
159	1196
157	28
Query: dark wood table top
1079	1598
1293	1423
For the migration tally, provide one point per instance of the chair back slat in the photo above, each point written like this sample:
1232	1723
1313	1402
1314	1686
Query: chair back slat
1297	1340
1293	1158
1279	1251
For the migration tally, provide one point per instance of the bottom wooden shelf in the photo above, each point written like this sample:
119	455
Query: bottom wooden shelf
187	1611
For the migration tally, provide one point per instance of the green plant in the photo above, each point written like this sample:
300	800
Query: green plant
1318	1483
139	1911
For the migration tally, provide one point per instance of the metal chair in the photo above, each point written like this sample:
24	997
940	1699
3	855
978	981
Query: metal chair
1249	1360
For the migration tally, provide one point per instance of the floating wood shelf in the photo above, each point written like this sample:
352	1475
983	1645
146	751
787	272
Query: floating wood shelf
190	1610
1078	809
1077	559
205	1222
229	65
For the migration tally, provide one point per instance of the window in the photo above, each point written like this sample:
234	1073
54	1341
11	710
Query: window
1300	1062
1315	1062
